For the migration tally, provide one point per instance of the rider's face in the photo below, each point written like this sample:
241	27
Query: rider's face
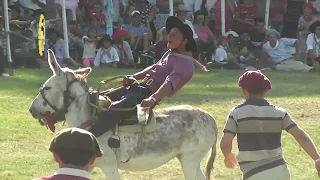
175	39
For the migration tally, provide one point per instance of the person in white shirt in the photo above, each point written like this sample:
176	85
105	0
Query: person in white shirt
182	15
278	52
313	45
221	56
107	55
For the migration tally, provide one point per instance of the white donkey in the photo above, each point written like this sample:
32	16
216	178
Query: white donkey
182	132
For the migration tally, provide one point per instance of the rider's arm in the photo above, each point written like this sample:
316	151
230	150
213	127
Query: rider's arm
164	90
142	74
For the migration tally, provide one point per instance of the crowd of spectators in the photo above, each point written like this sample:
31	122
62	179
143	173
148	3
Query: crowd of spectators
129	33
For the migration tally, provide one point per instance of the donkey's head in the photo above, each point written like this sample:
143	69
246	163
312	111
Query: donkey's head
56	94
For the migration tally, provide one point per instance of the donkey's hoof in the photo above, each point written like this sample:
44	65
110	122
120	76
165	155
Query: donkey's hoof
114	142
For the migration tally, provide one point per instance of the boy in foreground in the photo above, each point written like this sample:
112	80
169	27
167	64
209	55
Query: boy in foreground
258	126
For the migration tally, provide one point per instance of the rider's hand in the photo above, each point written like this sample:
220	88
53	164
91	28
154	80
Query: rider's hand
230	161
149	102
318	166
128	80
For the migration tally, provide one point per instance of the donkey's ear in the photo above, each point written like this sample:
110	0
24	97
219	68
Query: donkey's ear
83	71
53	63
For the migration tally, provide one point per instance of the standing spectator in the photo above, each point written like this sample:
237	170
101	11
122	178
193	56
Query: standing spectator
70	4
123	48
90	44
75	150
277	10
313	45
215	14
145	8
118	9
278	52
244	16
258	126
206	40
163	12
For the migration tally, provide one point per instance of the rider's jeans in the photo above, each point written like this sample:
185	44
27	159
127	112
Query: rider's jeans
120	109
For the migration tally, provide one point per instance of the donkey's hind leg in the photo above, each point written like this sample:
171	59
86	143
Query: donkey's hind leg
190	164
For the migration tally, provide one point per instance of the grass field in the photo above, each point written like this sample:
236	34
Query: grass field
24	143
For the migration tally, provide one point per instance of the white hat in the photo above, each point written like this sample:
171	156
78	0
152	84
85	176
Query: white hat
231	33
135	12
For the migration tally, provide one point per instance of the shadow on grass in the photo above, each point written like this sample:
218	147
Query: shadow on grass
209	86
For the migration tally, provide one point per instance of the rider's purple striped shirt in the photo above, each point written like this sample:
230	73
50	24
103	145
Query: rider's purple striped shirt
174	68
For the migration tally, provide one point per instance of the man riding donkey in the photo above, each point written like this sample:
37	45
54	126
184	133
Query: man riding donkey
165	78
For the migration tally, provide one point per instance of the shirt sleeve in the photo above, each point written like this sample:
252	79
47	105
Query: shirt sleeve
288	122
221	55
231	125
97	58
115	56
128	50
288	41
180	72
310	42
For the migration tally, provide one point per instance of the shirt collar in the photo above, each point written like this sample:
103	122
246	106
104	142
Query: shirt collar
317	39
275	46
257	102
72	172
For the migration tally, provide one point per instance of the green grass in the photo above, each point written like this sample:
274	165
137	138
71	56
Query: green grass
24	143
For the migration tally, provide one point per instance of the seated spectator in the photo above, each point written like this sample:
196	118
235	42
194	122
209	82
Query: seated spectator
146	10
206	40
161	46
222	58
95	23
244	40
163	12
138	36
70	4
278	53
127	14
15	14
107	55
181	13
246	59
27	5
89	47
84	9
313	45
97	12
56	44
258	33
303	29
233	45
123	48
216	11
244	16
75	150
277	10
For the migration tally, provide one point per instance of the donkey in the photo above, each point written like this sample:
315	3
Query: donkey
184	132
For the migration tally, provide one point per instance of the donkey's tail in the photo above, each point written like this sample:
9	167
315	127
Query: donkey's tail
212	157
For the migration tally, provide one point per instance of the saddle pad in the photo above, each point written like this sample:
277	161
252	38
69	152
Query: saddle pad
132	126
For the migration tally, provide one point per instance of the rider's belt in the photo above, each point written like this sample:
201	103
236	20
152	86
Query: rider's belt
152	85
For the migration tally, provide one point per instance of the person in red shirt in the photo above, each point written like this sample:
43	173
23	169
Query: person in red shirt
162	79
74	150
97	12
244	16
